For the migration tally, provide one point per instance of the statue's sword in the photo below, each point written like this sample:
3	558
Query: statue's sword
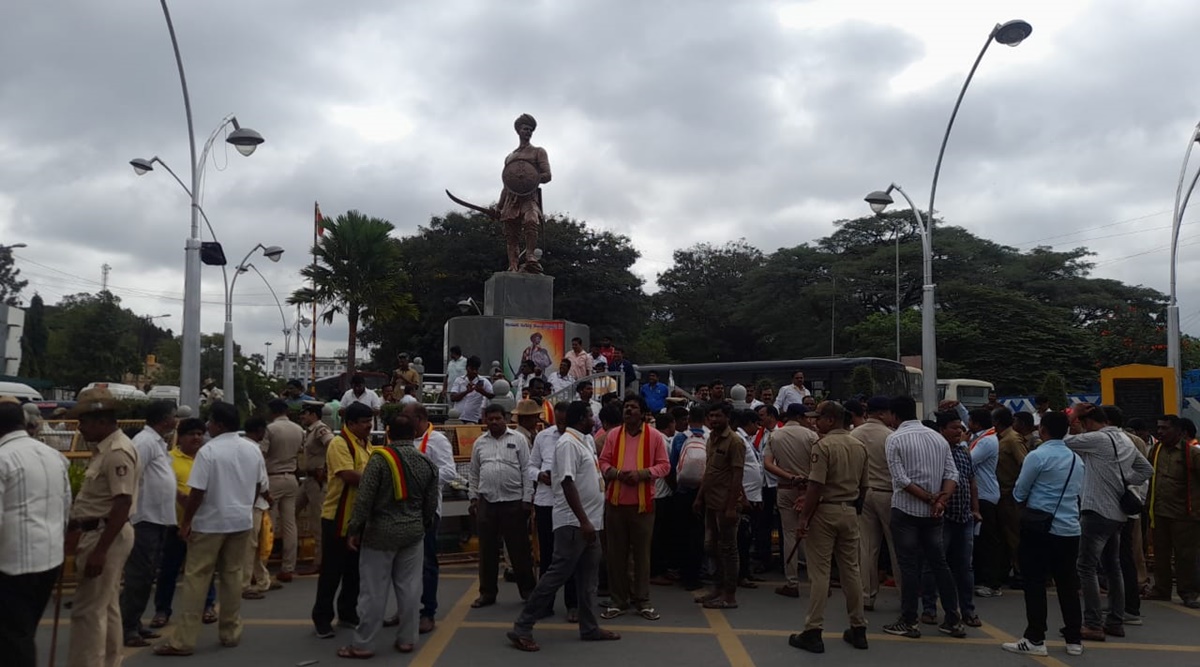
488	211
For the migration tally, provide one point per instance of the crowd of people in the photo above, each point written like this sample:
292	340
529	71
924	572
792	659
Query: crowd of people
625	493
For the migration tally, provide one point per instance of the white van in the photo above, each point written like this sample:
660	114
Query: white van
118	390
163	392
19	390
970	393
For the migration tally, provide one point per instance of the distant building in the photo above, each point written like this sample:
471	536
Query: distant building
12	319
286	367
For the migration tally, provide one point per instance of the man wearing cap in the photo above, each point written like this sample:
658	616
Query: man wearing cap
789	458
404	376
152	518
537	394
526	415
317	437
35	501
836	484
100	527
281	448
875	522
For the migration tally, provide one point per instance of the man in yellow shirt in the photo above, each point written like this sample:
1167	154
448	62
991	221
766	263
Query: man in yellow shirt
345	461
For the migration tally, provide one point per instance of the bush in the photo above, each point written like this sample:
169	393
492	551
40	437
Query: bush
1054	387
862	381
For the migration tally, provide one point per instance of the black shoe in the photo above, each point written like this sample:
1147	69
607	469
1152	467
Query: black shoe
809	640
955	630
856	637
325	631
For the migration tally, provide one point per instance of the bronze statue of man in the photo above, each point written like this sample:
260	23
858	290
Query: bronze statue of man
525	170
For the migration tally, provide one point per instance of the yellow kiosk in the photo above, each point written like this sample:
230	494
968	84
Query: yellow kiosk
1140	390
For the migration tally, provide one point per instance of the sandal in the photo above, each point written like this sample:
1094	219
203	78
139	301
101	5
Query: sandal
136	641
353	653
167	649
160	620
649	614
611	613
705	597
482	602
572	616
601	636
523	643
210	616
403	648
719	603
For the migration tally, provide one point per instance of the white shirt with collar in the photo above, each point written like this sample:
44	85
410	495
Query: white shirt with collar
369	398
231	471
156	497
498	468
559	383
752	476
35	504
470	408
788	395
455	368
541	459
437	448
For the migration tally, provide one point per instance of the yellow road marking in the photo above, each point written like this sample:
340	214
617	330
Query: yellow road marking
1003	637
735	651
571	627
432	649
1175	607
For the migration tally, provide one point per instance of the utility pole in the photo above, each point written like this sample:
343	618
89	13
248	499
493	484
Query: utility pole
104	271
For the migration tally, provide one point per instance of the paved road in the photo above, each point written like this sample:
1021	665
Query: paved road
278	632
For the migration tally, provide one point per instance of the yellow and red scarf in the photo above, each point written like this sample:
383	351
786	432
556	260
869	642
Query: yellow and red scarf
399	482
990	431
341	519
425	440
547	413
758	439
645	502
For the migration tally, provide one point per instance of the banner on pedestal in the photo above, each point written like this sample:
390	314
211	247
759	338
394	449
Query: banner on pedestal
539	341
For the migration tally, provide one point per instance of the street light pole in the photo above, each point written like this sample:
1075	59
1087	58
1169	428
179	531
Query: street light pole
287	331
271	252
1174	353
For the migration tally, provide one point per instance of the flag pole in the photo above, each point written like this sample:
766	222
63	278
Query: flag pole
312	358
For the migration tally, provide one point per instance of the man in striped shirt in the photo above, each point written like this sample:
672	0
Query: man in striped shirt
35	501
923	479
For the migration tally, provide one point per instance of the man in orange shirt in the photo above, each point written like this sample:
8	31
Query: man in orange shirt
634	456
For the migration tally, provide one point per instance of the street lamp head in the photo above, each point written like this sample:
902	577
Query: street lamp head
1012	33
273	252
304	322
879	200
141	165
245	140
14	246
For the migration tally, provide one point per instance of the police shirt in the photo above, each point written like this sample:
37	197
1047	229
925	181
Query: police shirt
839	464
112	472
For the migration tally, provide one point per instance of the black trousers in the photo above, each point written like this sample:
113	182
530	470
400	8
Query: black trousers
141	571
768	519
339	569
991	559
1133	600
1042	556
24	598
690	544
508	521
544	516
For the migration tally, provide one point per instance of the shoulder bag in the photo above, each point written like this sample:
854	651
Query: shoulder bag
1130	502
1040	521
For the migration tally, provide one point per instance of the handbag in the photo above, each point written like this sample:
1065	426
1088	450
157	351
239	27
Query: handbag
1130	502
1040	521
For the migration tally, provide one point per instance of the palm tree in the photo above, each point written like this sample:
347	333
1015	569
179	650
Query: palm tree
356	272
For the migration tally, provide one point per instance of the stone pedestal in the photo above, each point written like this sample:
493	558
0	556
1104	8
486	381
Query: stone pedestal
511	294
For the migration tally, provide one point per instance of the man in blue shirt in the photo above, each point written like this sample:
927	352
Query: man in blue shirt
620	364
654	392
991	567
1051	480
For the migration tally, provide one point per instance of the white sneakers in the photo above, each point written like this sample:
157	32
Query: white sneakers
1026	647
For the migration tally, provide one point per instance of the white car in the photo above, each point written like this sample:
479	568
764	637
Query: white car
118	390
19	390
163	392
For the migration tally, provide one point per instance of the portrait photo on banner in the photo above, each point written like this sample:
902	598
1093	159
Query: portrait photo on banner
539	341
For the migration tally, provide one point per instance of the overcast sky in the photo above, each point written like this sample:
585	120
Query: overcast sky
673	122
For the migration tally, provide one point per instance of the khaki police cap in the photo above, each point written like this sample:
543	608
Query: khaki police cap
96	399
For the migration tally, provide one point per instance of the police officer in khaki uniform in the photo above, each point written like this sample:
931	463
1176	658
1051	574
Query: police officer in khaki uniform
99	526
312	492
789	457
837	483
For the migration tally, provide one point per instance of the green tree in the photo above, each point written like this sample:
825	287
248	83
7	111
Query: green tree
1054	388
35	339
451	259
10	278
862	381
358	274
92	339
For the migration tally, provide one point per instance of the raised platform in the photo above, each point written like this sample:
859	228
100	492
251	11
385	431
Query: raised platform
511	294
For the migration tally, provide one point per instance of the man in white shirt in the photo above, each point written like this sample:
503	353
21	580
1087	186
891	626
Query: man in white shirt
228	475
578	517
560	380
500	492
469	392
152	518
541	463
456	367
581	363
437	448
525	372
35	503
752	483
792	393
358	393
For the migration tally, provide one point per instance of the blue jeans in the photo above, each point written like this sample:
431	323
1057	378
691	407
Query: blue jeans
1099	547
959	541
919	542
173	554
430	571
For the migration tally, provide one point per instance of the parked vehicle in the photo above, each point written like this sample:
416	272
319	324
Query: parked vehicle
126	391
19	390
